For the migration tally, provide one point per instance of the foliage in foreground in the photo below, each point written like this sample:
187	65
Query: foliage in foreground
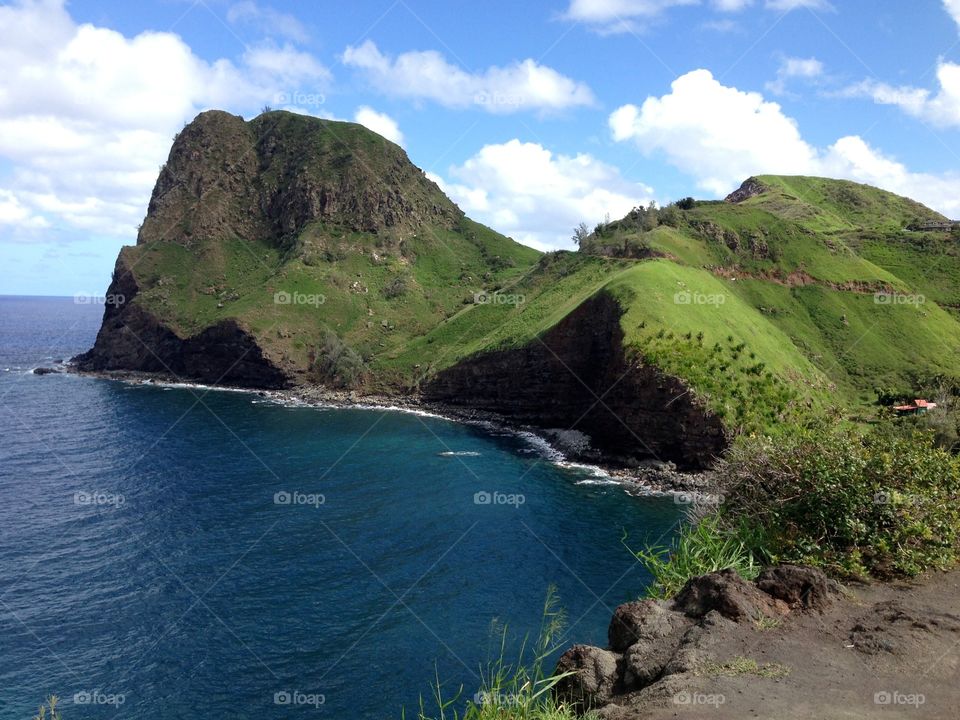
703	546
881	502
520	691
877	502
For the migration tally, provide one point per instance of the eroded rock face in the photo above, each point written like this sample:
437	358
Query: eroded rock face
751	187
131	338
268	178
578	376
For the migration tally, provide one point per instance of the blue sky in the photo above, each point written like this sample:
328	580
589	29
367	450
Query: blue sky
532	116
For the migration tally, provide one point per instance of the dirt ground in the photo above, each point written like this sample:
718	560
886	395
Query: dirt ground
879	651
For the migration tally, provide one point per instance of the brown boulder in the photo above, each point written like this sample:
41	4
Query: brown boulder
727	593
798	586
640	620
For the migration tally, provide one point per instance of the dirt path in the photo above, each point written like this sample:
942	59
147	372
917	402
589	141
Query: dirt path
883	651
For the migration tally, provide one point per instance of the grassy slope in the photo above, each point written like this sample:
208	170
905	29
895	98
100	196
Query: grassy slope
823	339
772	341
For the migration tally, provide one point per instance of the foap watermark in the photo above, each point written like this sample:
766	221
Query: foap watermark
892	497
895	697
298	698
298	298
685	697
498	99
685	297
894	298
300	99
496	699
99	498
691	498
114	299
296	497
482	297
97	697
498	498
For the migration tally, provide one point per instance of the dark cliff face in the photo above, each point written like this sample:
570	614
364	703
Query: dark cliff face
578	376
131	338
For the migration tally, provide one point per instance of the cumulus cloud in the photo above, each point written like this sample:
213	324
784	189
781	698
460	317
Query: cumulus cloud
941	108
88	114
380	123
790	68
537	197
426	75
714	132
720	135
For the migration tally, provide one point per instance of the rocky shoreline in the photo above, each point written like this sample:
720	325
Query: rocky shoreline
645	477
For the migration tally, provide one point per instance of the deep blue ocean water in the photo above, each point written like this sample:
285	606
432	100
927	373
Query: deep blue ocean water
195	552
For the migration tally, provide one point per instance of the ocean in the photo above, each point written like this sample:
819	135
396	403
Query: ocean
174	552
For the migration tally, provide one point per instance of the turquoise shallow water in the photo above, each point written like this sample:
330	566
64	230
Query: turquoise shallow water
189	552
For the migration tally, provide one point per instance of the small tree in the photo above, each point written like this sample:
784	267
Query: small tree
686	204
580	234
650	220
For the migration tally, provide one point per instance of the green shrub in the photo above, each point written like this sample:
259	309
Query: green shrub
335	363
397	287
703	546
877	502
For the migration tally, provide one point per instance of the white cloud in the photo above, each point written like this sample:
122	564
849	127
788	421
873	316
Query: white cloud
380	123
953	8
615	16
743	134
87	114
537	197
12	212
267	19
714	132
941	109
791	67
426	75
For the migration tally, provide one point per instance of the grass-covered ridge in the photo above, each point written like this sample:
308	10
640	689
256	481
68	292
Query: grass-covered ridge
795	291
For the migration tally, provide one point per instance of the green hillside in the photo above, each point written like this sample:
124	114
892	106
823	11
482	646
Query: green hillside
318	247
811	292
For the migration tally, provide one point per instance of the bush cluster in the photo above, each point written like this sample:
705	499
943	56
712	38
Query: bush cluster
878	502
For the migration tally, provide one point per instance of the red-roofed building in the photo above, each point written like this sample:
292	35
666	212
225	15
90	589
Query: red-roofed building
917	407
